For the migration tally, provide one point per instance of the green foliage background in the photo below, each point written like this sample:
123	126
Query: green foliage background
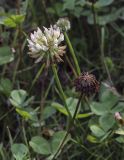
32	115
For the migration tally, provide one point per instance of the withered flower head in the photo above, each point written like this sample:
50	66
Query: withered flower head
87	84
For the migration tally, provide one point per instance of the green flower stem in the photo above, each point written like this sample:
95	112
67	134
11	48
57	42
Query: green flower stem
69	127
10	136
25	138
77	107
37	76
60	88
103	55
72	53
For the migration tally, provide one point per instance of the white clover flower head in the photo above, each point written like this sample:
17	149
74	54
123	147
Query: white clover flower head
46	45
64	24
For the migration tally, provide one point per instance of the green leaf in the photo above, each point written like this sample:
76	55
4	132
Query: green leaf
108	96
5	86
107	121
103	3
71	103
97	131
2	12
6	55
57	139
120	131
27	113
81	2
77	12
27	101
19	151
84	115
106	18
18	97
100	108
120	139
109	63
105	136
69	4
9	22
23	113
14	20
59	107
48	112
24	7
118	108
40	145
57	9
92	139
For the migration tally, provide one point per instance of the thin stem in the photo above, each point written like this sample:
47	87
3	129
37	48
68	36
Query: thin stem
95	22
15	71
15	37
101	44
77	107
48	89
69	127
2	154
60	88
71	66
72	53
37	76
9	135
43	2
17	63
42	102
18	6
19	60
102	53
26	69
3	116
25	138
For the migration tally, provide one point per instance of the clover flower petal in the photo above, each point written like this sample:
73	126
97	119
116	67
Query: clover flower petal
46	44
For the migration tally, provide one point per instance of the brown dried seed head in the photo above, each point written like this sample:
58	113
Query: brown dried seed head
87	84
